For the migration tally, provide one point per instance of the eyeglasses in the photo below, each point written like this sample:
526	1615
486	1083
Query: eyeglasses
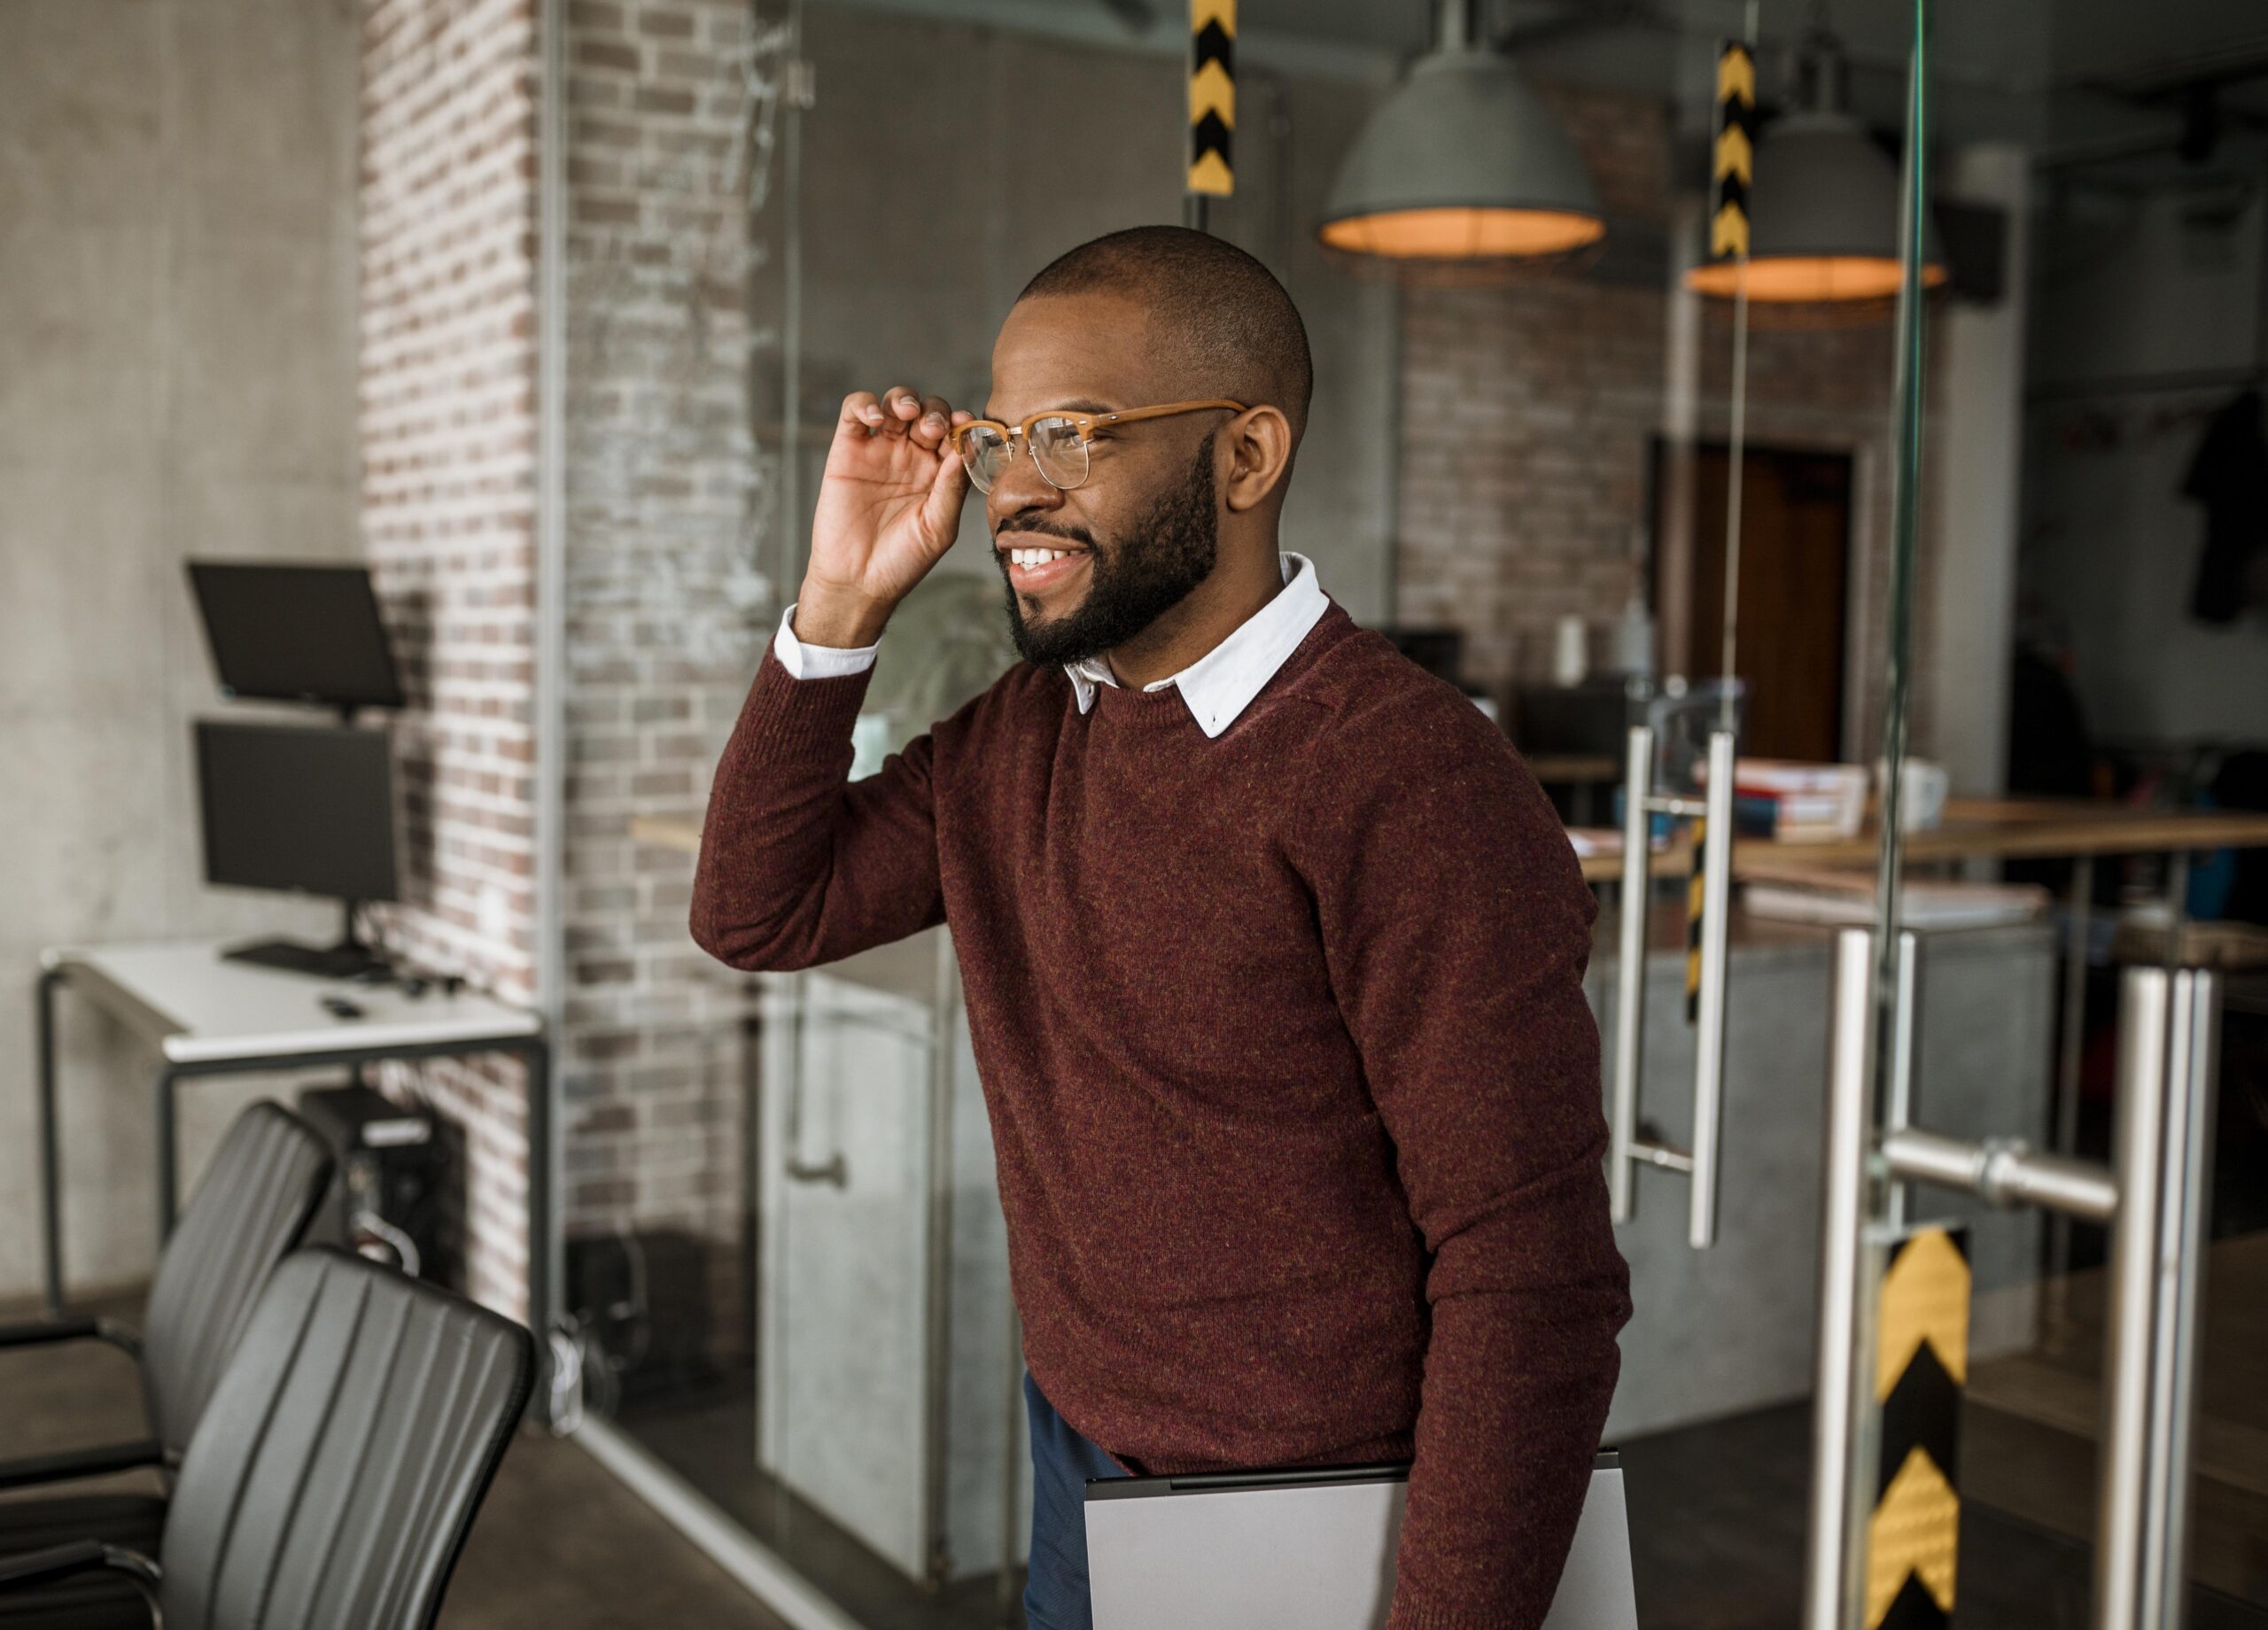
1058	440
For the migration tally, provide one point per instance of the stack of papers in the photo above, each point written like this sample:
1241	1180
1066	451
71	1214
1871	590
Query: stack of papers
1790	894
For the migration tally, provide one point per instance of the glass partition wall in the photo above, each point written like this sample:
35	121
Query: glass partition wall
1877	495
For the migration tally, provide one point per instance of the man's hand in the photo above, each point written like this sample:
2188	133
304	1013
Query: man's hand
888	509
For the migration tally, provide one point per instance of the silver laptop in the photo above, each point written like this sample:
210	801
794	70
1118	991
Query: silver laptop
1305	1549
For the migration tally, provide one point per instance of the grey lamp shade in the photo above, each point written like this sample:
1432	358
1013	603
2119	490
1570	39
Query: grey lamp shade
1822	218
1463	161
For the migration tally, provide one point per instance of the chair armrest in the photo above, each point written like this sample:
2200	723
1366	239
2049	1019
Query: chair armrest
30	1470
44	1333
53	1561
80	1556
36	1332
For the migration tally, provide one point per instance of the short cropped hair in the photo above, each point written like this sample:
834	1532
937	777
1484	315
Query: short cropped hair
1223	313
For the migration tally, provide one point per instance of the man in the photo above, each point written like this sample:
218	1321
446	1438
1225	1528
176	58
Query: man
1273	949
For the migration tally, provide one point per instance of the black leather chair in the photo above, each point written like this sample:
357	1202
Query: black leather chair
334	1477
252	1208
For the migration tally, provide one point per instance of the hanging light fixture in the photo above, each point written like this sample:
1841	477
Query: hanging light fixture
1462	163
1823	205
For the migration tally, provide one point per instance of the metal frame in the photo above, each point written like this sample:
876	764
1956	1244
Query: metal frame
533	1050
2154	1202
1628	1150
791	991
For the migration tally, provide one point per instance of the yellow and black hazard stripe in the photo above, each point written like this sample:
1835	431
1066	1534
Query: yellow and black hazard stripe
1732	168
1921	1362
1696	895
1212	96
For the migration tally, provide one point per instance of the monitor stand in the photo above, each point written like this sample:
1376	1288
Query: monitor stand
350	959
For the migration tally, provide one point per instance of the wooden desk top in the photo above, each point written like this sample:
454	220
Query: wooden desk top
1994	828
1998	829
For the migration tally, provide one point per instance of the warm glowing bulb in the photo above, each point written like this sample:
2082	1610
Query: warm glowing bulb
1809	279
1463	233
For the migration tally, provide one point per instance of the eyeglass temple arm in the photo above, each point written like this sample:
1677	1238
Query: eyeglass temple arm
1132	413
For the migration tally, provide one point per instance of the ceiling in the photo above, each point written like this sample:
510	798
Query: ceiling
2074	77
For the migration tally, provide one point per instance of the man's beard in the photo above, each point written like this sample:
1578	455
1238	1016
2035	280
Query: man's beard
1146	572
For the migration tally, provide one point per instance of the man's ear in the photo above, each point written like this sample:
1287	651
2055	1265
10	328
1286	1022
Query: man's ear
1259	443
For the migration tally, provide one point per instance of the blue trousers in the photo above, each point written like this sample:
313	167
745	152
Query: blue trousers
1055	1597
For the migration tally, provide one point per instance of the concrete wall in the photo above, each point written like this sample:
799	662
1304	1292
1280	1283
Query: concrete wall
176	377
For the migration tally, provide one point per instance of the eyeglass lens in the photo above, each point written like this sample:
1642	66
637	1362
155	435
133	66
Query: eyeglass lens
1057	447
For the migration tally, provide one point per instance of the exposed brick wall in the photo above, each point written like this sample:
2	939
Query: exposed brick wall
669	161
449	500
1530	411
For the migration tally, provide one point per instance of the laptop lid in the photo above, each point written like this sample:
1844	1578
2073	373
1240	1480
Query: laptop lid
1310	1548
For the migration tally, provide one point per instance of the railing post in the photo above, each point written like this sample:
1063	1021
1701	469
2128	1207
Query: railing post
2168	1027
1841	1384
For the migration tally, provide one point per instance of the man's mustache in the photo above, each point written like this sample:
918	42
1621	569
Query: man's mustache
1071	534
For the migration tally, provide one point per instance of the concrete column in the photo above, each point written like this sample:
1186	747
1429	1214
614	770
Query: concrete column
1970	612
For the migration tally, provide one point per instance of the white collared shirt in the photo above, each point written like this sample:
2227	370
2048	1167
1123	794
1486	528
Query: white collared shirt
1217	686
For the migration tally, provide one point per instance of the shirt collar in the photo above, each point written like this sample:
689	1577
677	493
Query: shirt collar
1221	683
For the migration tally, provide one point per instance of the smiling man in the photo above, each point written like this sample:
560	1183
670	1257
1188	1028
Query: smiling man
1273	951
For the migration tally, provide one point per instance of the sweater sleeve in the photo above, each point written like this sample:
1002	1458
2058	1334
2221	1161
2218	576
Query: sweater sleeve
1456	928
798	864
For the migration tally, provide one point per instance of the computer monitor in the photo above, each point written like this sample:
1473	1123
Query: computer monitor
296	633
304	809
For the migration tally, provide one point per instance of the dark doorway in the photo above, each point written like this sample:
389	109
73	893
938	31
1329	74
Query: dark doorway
1795	573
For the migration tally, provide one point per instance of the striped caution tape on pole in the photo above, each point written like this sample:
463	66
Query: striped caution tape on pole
1697	897
1921	1362
1733	164
1212	96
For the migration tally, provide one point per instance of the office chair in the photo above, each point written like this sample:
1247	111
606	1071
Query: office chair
333	1478
251	1209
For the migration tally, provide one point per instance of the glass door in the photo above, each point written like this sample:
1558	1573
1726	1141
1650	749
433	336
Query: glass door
2042	1180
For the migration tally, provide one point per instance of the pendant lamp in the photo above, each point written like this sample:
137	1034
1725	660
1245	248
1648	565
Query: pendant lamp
1462	164
1823	205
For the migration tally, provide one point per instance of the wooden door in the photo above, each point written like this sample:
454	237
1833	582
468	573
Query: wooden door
1795	567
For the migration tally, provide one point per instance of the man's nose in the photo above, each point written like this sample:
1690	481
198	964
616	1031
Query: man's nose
1021	487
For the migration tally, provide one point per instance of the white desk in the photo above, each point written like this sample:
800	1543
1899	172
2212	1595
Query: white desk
206	1016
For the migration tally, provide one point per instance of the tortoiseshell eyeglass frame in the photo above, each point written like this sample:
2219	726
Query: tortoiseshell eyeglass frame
1085	424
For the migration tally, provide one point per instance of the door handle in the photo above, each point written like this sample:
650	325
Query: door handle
1627	1149
2153	1199
834	1170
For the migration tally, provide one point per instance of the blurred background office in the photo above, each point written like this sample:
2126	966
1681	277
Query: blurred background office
527	320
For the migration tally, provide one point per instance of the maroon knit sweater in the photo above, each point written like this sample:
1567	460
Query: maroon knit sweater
1293	1086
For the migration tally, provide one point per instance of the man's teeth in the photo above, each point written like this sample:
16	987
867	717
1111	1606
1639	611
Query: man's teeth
1028	558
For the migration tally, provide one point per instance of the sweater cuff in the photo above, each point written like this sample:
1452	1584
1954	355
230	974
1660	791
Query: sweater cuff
786	717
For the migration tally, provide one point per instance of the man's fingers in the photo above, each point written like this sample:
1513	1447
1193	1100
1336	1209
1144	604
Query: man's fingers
901	404
936	418
941	505
861	408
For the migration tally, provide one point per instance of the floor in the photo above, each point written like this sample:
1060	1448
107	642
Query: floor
1717	1517
703	1437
